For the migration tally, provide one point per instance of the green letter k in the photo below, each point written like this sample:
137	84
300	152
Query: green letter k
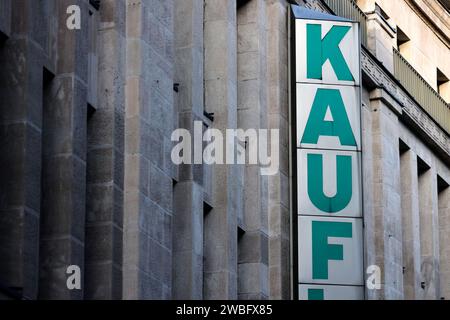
320	50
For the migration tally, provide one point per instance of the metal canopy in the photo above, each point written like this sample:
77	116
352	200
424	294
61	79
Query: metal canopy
304	13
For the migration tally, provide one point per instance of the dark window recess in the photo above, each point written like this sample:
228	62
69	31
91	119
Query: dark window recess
95	4
441	80
403	147
206	213
47	77
442	185
381	12
90	111
422	167
240	3
402	38
48	135
3	37
209	115
384	16
240	233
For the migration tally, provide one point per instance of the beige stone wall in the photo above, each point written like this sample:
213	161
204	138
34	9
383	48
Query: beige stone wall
405	205
427	25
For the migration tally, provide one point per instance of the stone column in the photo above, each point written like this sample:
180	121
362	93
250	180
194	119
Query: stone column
64	160
22	58
253	273
429	233
444	240
149	172
381	35
105	160
411	225
220	269
188	191
383	223
278	118
368	185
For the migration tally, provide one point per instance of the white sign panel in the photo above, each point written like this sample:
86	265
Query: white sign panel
329	183
327	292
330	250
331	116
327	114
345	36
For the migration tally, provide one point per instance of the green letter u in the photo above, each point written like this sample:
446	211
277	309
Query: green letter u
343	183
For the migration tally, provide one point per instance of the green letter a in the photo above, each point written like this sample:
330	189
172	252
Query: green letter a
317	125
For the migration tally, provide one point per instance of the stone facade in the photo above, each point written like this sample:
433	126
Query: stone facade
86	118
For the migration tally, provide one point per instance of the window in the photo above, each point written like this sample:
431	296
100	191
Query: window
402	39
381	12
443	85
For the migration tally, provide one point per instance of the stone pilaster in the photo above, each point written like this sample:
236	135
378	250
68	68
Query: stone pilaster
22	58
429	233
278	118
383	223
444	239
189	190
381	34
410	224
149	122
220	269
105	160
253	272
64	160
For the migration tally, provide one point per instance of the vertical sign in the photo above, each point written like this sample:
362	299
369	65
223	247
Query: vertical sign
326	109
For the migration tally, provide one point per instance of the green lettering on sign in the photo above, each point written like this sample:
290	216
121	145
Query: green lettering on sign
315	294
320	50
343	183
322	251
317	125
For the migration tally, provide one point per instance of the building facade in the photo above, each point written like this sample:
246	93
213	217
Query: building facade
87	177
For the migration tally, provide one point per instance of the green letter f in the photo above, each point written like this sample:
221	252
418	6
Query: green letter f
322	251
